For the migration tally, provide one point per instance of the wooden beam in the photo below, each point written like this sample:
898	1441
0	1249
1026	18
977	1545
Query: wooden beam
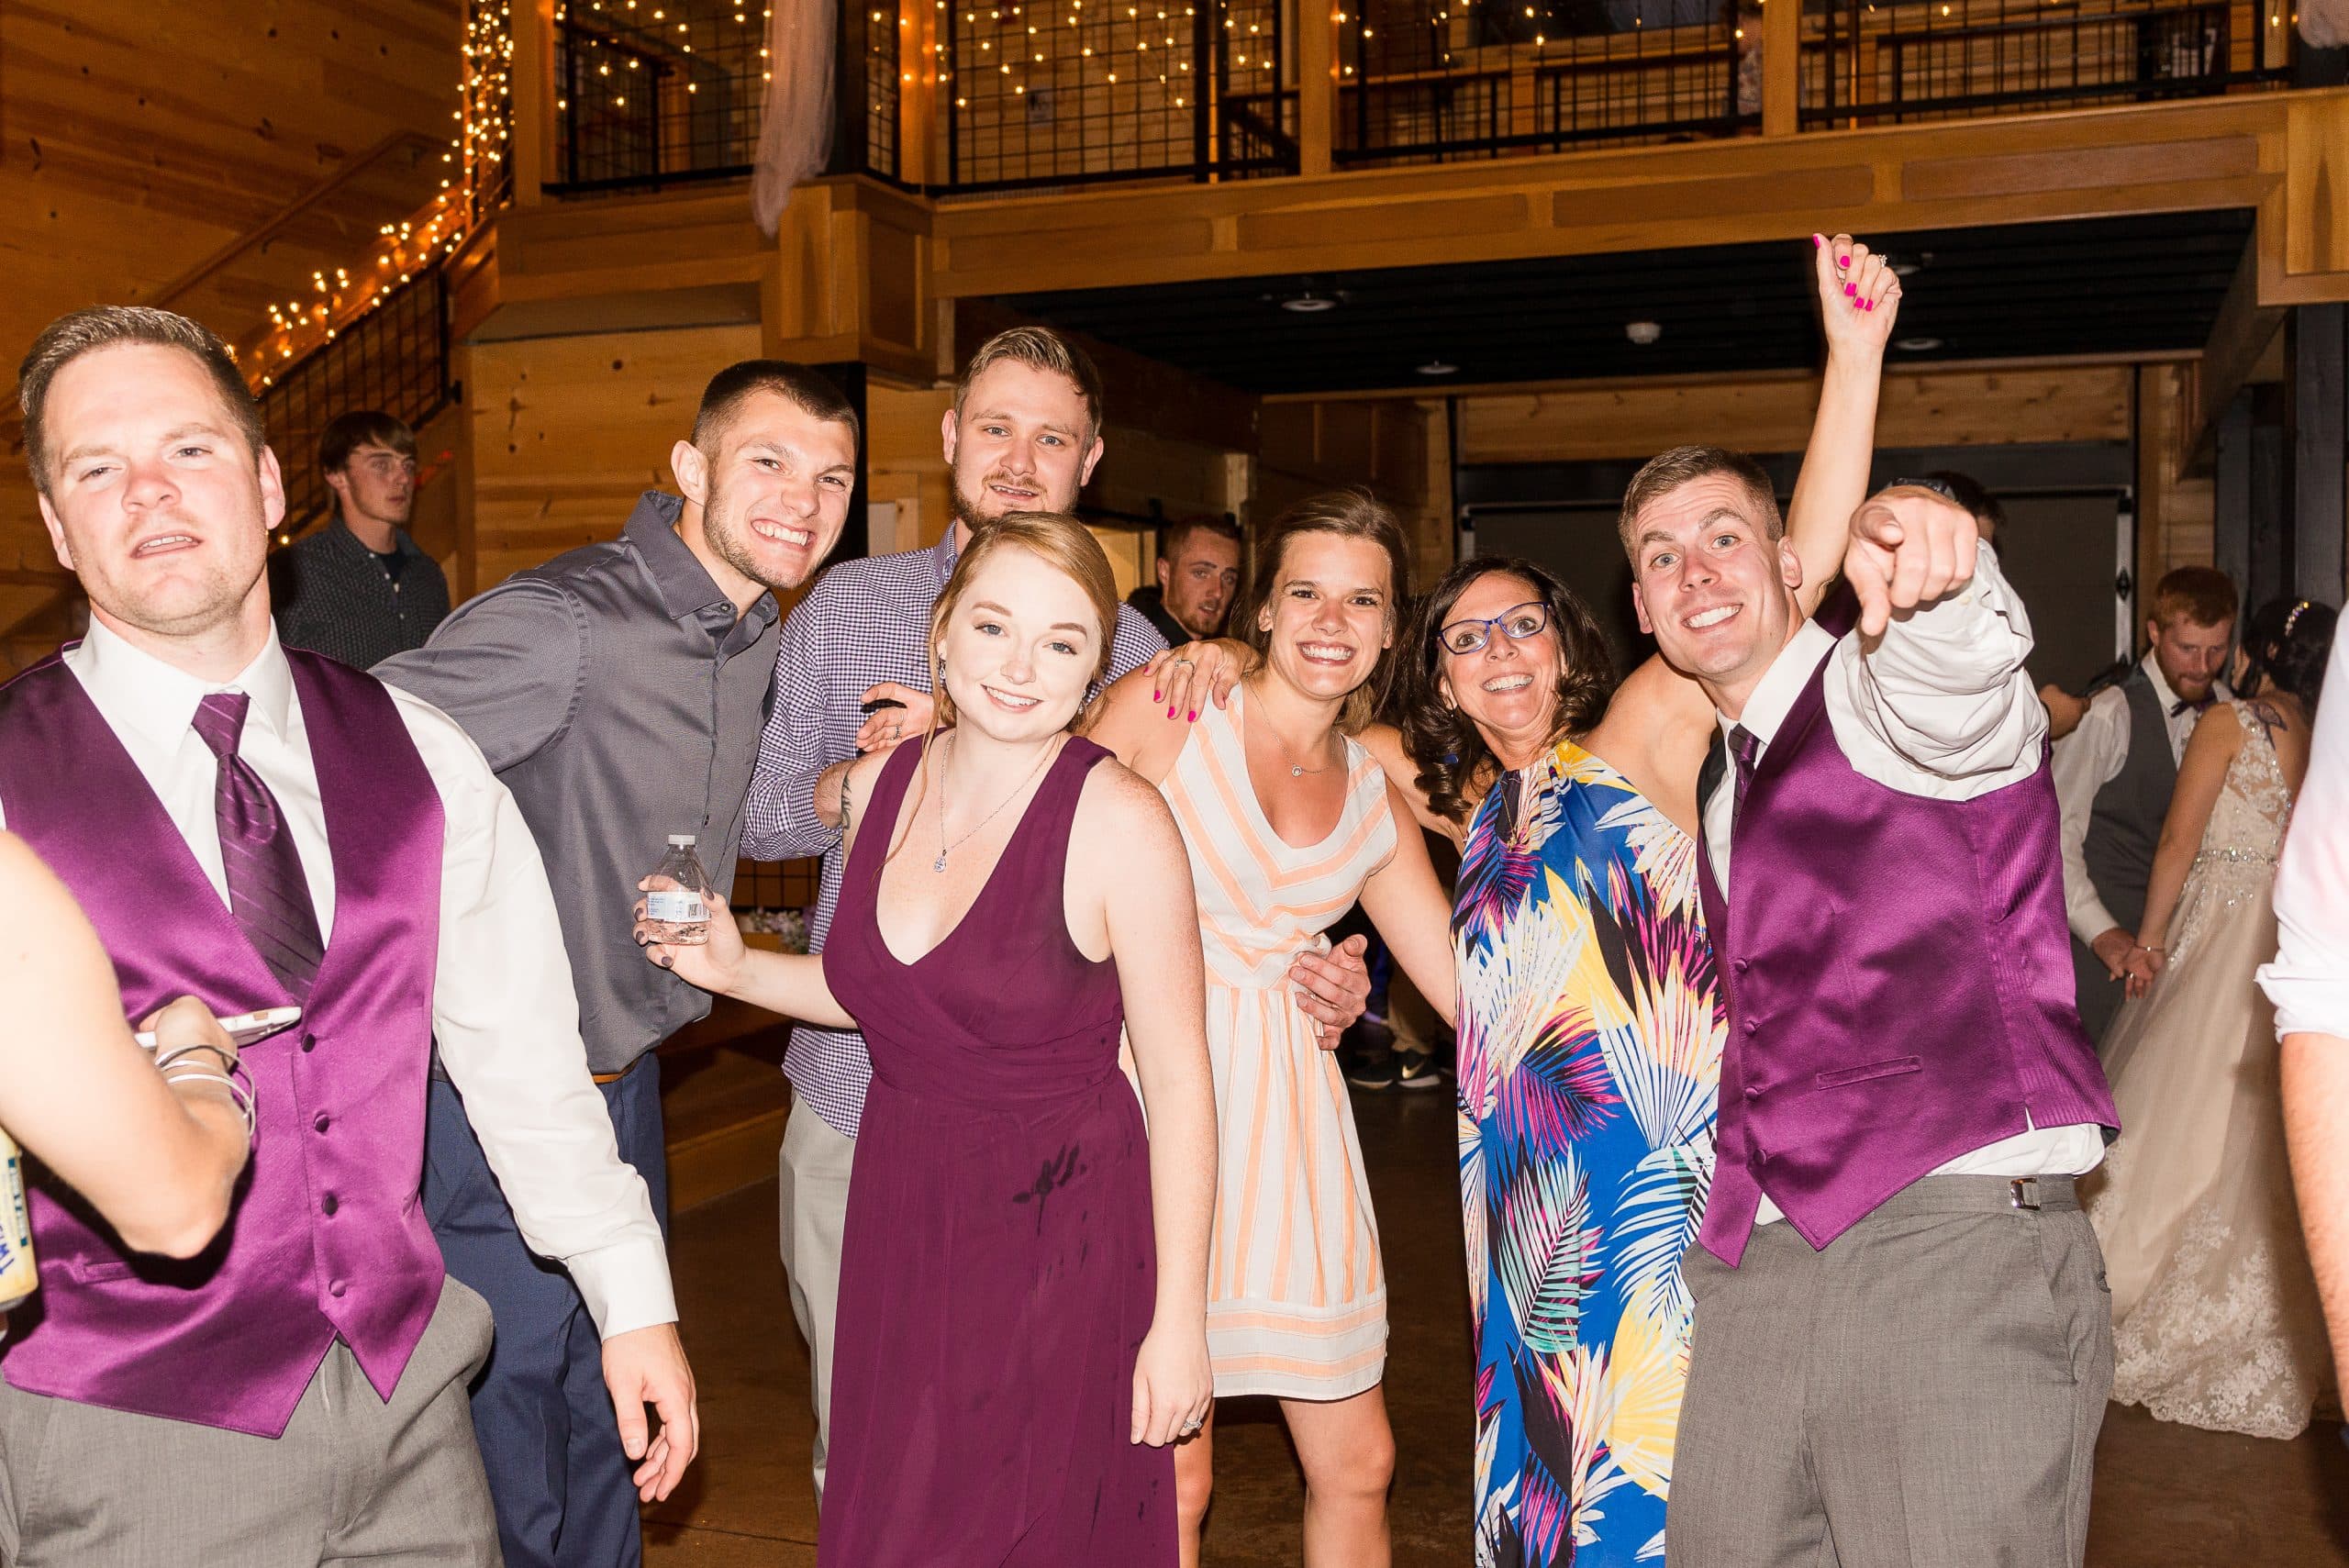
1781	67
2239	340
1919	408
2186	155
1138	389
536	95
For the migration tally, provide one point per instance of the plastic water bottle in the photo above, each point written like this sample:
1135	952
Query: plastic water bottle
17	1279
677	911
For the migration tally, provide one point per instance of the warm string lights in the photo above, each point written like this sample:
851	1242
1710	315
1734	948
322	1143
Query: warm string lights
471	190
1061	87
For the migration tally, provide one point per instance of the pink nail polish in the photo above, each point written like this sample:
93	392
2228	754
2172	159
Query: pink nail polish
1195	716
1842	261
1851	289
1867	304
1818	241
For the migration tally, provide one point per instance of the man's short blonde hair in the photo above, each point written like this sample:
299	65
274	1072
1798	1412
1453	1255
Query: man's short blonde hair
1039	348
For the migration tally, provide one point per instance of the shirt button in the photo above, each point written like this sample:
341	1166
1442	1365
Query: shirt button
334	1288
329	1203
1752	1092
323	1122
309	1042
1742	964
1751	1027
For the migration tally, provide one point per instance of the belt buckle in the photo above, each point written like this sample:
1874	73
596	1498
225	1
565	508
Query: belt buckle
2023	1193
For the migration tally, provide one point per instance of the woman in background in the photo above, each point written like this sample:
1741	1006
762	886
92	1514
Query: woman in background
2215	1315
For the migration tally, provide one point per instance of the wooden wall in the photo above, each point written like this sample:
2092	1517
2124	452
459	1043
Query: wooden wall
143	137
567	432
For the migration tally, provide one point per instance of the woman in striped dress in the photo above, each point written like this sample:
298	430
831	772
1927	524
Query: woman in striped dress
1288	821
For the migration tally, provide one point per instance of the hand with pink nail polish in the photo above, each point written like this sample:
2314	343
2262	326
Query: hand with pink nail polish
1867	290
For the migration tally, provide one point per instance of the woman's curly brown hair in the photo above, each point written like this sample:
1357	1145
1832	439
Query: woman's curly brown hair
1456	767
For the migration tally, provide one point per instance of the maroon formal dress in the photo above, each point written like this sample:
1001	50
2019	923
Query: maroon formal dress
996	1275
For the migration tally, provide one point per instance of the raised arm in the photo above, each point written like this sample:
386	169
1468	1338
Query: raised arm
1137	880
2201	773
1859	299
158	1161
1412	913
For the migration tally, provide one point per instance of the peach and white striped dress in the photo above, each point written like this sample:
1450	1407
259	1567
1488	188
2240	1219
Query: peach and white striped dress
1297	1297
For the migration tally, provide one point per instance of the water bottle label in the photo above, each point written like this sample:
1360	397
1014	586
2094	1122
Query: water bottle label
675	906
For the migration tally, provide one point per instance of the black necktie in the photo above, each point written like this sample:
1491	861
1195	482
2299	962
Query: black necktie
267	892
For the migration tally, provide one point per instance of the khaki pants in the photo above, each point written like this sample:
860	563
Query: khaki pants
813	1180
354	1479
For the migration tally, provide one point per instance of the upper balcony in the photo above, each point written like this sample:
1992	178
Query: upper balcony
967	98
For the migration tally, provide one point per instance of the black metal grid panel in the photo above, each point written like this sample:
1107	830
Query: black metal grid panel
1884	62
1433	81
1067	92
869	53
652	91
394	358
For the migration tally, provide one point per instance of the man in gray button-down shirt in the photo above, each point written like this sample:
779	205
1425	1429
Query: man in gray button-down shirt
618	690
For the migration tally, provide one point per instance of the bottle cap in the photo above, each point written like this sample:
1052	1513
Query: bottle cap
681	840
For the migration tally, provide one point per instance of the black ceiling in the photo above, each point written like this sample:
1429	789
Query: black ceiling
2145	284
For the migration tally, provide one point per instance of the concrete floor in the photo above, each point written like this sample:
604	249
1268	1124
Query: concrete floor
2165	1494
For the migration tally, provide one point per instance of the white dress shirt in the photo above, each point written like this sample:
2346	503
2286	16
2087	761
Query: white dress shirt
2086	760
2309	981
503	1009
1941	708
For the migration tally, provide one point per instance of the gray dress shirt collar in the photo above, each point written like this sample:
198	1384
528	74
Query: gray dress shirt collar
687	591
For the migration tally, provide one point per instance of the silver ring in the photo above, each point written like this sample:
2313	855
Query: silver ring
1186	661
1188	1427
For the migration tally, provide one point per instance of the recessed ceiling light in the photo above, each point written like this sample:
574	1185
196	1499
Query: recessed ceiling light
1917	345
1309	302
1642	332
1438	367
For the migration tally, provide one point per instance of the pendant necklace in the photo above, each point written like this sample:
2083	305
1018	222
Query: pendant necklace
945	848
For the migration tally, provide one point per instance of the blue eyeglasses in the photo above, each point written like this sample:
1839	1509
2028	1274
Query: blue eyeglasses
1517	623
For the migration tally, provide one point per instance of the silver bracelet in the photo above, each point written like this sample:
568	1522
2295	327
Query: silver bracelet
166	1056
238	1094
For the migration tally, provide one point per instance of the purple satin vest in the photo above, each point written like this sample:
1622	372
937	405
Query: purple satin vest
326	1238
1898	976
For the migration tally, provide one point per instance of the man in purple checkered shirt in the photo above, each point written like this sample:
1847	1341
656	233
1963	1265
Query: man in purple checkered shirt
1024	435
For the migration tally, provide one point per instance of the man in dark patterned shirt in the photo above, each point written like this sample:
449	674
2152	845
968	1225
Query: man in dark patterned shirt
1023	435
358	589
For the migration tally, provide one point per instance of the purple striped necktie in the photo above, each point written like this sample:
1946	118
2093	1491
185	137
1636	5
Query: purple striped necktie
267	892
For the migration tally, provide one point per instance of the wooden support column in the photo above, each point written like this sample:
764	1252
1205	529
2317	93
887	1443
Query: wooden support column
2271	491
534	97
1781	67
1317	81
2318	427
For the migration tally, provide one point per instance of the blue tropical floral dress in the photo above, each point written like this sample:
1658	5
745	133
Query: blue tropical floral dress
1590	1045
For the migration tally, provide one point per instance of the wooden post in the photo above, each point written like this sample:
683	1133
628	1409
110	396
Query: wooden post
2314	416
1781	67
535	98
1317	81
916	92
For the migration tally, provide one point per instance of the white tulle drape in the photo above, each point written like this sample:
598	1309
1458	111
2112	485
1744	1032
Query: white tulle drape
796	138
2324	22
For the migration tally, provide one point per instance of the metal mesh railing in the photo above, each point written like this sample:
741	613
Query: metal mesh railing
1884	62
394	358
1066	92
651	95
1430	81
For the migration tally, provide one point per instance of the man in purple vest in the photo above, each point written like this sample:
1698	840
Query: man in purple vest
1903	1344
266	829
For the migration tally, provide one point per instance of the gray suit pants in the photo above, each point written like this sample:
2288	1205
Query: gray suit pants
1926	1392
353	1479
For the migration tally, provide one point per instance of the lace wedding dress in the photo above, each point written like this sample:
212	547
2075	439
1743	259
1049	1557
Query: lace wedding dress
2215	1313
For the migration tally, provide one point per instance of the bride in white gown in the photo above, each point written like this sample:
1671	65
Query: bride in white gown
2214	1310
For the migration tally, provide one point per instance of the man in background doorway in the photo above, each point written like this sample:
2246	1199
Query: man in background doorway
1198	575
2115	772
359	590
